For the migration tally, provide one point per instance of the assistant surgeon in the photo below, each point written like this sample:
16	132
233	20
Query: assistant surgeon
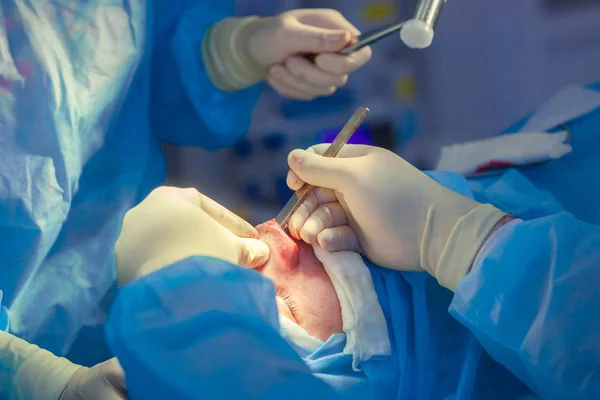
89	91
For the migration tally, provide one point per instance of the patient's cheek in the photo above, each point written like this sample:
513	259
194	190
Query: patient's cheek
298	273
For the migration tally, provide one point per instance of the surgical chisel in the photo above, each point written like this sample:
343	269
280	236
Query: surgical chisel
340	140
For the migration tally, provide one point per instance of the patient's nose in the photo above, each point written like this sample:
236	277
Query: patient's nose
284	249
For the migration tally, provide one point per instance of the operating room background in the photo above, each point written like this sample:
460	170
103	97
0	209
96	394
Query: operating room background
491	62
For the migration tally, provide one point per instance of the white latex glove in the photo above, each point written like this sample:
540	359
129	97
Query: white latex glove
105	381
172	224
30	373
318	31
373	201
242	51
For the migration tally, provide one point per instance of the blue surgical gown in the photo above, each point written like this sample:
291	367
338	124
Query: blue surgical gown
88	92
523	323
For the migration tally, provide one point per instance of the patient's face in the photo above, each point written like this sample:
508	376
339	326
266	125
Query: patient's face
305	293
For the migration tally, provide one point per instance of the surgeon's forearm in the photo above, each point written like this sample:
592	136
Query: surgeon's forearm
533	291
28	372
226	55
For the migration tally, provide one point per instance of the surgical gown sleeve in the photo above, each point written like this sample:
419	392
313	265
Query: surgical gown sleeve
186	107
533	301
203	328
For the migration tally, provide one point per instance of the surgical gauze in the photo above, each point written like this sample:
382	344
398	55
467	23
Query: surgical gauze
363	320
505	151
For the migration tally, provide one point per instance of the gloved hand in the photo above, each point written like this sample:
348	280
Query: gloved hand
371	200
28	372
239	52
172	224
105	381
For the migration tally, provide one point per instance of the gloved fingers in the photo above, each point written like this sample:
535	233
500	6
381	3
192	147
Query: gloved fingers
327	60
300	83
348	151
299	38
331	173
217	212
308	206
306	71
339	64
285	90
292	180
308	90
105	381
326	216
340	238
326	18
253	253
232	222
115	375
302	214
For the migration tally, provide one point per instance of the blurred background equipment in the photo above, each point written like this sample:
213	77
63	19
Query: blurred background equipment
491	62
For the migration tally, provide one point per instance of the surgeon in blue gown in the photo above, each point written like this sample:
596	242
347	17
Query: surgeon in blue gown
490	289
88	92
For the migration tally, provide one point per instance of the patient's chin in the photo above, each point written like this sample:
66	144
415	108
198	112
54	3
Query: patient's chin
305	292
